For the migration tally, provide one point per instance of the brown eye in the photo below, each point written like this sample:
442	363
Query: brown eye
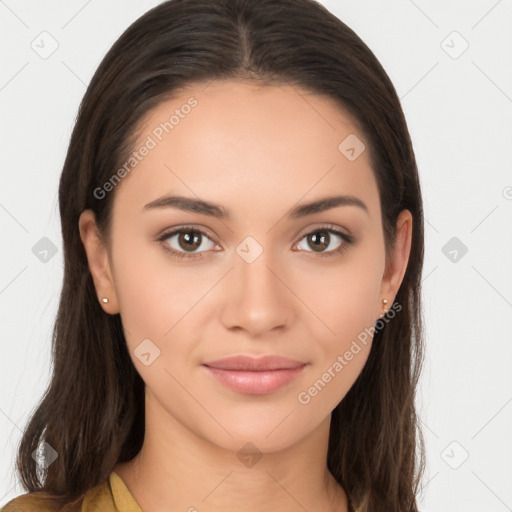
319	240
189	241
186	243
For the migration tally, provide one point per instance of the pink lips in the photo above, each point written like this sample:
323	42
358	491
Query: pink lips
255	376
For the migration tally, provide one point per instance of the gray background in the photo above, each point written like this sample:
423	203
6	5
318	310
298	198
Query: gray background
458	104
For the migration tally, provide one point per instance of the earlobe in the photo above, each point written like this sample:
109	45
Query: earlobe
395	269
99	262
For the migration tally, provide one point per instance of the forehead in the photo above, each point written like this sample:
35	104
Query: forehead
245	145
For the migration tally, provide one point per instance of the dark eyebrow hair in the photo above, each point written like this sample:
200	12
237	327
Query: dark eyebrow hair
190	204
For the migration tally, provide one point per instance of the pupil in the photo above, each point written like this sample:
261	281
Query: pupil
188	238
319	240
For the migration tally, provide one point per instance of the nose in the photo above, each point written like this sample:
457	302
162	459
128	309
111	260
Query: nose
257	295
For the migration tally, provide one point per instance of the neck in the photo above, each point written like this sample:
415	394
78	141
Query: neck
177	469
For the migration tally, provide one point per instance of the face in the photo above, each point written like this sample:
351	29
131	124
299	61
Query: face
197	286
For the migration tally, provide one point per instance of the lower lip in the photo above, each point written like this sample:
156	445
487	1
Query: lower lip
255	383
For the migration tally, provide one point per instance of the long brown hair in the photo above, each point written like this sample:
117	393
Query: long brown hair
92	413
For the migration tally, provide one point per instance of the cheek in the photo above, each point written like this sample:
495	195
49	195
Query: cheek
341	355
345	299
346	296
153	290
157	302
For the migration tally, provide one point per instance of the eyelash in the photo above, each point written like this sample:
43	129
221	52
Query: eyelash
347	240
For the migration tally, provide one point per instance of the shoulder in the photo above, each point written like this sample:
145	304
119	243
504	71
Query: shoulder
32	501
97	498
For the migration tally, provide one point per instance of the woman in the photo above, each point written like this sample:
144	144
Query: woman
240	319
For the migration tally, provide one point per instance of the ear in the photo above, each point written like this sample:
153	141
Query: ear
395	269
99	261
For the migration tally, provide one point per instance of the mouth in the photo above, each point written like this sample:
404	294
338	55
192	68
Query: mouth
255	364
255	376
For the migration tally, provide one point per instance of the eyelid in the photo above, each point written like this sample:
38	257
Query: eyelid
167	232
343	232
347	238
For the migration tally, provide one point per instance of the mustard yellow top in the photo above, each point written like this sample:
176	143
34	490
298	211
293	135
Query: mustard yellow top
111	496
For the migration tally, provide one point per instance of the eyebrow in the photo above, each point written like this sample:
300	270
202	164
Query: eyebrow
189	204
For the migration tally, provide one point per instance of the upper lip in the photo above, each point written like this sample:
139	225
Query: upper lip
260	364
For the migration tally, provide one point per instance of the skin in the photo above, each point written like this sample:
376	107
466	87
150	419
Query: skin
257	151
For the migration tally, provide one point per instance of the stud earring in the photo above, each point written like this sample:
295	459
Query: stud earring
384	302
104	300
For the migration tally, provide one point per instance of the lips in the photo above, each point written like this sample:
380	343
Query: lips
255	376
261	364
